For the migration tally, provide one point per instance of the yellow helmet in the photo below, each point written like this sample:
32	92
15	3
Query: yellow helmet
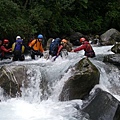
64	40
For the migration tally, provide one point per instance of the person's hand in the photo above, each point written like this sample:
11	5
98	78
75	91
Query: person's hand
10	49
29	48
72	50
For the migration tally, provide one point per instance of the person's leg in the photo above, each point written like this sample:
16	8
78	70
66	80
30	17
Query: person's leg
41	54
32	55
22	57
16	55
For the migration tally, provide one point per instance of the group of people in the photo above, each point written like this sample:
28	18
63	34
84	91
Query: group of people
36	48
18	48
65	44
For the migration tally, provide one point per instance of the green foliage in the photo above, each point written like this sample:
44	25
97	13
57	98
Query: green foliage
113	9
57	17
113	13
83	3
97	24
12	21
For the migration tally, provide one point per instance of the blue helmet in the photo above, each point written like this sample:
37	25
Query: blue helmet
40	36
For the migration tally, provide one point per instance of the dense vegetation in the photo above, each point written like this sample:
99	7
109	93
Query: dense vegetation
57	17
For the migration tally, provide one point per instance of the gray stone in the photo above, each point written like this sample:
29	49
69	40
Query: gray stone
84	78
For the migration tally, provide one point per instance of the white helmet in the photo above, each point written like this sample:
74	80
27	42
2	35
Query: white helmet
18	37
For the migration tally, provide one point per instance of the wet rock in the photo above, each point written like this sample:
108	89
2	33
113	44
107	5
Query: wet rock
85	77
102	106
11	79
75	38
113	59
116	48
109	37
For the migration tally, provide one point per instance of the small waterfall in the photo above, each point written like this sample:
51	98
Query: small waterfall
32	92
46	80
109	77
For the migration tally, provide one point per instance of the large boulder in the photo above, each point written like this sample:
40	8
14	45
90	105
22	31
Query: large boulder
116	36
84	78
109	37
75	38
11	79
102	106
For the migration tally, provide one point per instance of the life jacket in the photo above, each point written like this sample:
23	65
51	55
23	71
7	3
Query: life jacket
54	46
89	52
36	45
18	46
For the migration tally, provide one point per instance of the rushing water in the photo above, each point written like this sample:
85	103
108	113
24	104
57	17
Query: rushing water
33	105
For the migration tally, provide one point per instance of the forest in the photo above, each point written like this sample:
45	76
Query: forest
56	18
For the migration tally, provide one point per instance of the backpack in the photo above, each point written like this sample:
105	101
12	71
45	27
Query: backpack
54	46
68	46
18	46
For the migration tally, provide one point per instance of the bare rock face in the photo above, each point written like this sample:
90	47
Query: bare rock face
11	79
84	78
102	106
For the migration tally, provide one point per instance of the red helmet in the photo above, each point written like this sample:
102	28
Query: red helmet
5	41
82	39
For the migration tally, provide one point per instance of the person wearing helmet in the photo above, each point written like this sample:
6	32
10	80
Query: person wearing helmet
18	37
64	45
5	50
18	49
36	47
89	52
53	48
82	39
